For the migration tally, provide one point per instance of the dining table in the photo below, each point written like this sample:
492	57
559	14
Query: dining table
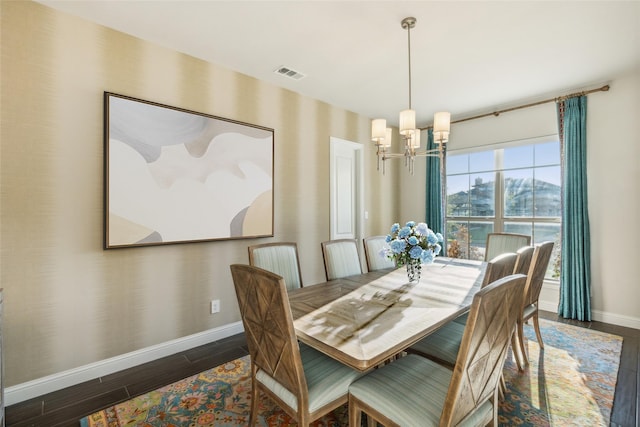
364	320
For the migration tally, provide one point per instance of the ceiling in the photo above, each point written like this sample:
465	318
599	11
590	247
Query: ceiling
467	57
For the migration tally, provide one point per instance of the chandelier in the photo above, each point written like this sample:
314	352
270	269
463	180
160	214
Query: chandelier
410	134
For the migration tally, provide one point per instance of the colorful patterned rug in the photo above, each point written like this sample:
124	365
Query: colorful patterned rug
570	383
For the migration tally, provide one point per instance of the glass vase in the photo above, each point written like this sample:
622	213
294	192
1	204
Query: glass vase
414	270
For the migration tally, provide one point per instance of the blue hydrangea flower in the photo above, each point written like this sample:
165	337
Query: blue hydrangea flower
422	229
404	232
411	224
440	237
395	227
413	240
416	252
388	238
437	248
432	239
398	246
427	256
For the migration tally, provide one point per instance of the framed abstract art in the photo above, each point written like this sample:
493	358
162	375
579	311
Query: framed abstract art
177	176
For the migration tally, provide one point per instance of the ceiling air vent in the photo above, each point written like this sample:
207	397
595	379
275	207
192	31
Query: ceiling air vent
288	72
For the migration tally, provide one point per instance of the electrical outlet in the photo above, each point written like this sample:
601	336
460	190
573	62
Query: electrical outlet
215	306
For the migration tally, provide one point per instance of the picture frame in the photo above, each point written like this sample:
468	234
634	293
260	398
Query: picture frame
177	176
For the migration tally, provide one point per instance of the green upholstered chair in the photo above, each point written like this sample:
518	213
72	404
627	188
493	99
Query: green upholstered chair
302	381
341	258
499	243
414	391
373	245
280	258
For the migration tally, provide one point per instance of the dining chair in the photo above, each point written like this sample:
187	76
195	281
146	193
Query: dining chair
442	346
414	391
341	258
535	279
280	258
499	243
373	246
305	383
523	260
499	266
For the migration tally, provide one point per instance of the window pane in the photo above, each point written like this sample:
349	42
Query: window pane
518	193
478	239
482	196
458	195
519	228
518	157
550	232
458	163
482	161
547	191
547	154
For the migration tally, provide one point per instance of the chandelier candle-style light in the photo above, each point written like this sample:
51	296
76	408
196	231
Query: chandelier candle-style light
381	134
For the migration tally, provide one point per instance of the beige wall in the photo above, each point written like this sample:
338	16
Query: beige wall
68	302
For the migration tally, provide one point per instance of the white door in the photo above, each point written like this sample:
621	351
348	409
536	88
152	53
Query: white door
347	196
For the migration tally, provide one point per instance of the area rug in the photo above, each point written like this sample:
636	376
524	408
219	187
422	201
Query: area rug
569	383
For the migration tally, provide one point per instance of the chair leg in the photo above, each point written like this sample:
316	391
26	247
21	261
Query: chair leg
525	356
495	408
515	349
254	403
536	326
503	387
355	413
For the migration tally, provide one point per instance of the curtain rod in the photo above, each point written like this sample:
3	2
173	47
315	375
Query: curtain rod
533	104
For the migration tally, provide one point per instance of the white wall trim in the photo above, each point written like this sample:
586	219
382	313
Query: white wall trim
38	387
597	315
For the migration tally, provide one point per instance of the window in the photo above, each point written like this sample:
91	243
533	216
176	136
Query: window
513	189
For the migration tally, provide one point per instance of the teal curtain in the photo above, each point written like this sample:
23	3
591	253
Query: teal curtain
575	277
434	217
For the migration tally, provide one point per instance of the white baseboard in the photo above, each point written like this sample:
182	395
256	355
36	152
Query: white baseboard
38	387
598	315
615	319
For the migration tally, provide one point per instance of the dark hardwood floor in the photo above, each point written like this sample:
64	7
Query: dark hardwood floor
66	407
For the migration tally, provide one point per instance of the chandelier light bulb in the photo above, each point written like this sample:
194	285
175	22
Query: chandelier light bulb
407	122
388	137
378	130
441	126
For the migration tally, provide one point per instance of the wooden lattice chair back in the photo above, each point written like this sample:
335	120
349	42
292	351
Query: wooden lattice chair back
499	267
535	280
268	326
280	258
478	369
537	272
341	258
523	262
302	381
499	243
372	247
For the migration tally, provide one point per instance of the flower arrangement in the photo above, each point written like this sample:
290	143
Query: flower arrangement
412	245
